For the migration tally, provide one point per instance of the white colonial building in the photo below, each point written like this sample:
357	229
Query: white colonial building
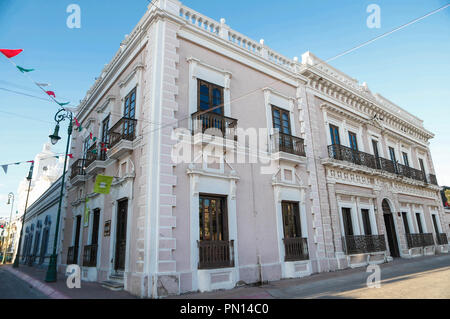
341	177
40	218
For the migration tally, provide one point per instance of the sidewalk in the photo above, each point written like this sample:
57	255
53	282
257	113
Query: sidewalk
351	283
59	290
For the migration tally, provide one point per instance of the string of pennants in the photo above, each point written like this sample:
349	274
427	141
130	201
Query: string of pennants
5	166
9	54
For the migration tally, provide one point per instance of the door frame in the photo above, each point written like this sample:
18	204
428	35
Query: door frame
394	219
114	233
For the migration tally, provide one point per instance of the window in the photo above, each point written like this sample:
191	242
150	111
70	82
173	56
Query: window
208	96
213	218
281	120
419	223
95	227
405	159
422	166
129	108
291	220
353	141
405	222
392	154
105	128
376	153
347	219
366	222
435	224
334	133
86	145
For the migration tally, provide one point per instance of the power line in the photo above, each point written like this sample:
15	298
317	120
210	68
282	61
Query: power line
315	65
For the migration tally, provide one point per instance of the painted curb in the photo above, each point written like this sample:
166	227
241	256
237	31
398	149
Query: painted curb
43	288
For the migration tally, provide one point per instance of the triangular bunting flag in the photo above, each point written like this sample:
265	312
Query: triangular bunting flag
76	122
10	53
90	136
63	104
70	155
42	84
5	169
94	139
51	93
80	128
23	70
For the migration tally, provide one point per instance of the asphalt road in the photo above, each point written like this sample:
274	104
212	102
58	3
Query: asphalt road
422	278
12	287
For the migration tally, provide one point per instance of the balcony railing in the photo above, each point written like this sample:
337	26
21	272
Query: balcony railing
78	168
442	239
419	240
432	179
348	154
72	255
288	144
90	256
295	249
95	153
215	254
214	124
124	129
361	244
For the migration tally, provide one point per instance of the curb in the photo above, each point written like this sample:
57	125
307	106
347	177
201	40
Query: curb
44	288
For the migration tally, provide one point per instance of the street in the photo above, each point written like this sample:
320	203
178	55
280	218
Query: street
423	277
12	287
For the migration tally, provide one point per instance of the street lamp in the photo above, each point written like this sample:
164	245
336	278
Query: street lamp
60	116
29	178
5	247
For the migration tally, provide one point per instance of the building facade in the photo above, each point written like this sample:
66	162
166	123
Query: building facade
224	169
40	218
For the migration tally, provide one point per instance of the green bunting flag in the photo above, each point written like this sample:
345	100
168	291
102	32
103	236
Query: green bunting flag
23	70
63	104
80	128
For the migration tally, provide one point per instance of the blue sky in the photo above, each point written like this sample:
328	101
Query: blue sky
410	67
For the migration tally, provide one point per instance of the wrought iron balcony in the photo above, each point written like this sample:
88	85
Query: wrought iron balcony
215	254
124	129
362	244
442	239
288	144
72	255
348	154
78	168
419	240
295	249
214	124
90	256
95	153
432	179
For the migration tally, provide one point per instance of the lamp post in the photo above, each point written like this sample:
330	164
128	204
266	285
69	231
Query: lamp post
29	177
10	195
60	116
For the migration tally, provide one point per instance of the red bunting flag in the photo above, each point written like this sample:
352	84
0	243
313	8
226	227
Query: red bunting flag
90	136
10	53
51	93
70	155
76	122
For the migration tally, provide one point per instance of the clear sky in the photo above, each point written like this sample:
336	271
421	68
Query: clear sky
410	67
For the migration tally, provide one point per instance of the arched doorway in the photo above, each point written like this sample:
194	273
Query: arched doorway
390	229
